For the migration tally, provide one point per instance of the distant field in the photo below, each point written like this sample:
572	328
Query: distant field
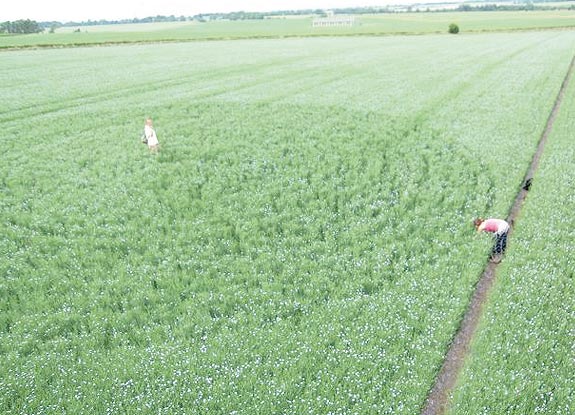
301	244
384	24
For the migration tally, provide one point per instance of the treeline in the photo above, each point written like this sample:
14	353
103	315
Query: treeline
31	26
495	7
241	15
150	19
21	27
526	6
510	5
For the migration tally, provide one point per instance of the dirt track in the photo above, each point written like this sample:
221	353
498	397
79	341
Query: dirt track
438	399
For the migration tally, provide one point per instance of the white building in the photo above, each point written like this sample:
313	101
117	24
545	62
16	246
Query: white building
333	20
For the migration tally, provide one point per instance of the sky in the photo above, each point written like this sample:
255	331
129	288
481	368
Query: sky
83	10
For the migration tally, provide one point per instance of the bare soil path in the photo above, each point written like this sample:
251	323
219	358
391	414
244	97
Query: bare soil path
438	398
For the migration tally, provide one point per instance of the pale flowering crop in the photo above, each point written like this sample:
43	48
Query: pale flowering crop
302	242
523	358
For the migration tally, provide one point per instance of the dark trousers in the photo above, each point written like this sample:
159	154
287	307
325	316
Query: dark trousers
500	243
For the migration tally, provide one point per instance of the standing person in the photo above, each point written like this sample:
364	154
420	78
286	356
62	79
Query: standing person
500	228
150	136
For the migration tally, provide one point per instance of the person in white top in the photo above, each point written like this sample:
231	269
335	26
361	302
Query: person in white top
150	136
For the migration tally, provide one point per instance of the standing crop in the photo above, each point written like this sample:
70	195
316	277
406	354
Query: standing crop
522	360
302	242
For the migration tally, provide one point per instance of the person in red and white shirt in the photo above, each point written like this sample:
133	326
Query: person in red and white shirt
500	229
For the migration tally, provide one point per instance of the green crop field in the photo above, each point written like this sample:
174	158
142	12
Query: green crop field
523	359
381	24
302	242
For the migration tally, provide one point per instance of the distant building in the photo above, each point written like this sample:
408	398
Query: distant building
332	20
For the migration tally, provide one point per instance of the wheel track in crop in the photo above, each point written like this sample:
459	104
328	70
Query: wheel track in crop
452	94
290	68
437	401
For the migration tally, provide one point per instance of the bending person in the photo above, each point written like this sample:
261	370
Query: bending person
500	229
